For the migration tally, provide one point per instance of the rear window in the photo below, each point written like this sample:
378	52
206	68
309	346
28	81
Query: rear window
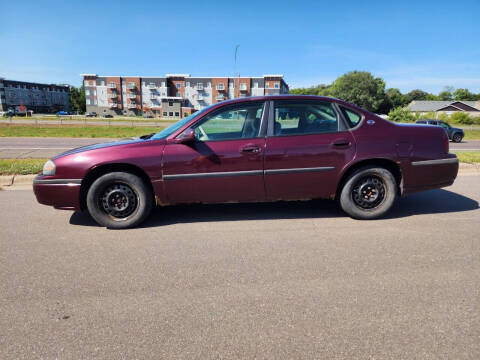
353	118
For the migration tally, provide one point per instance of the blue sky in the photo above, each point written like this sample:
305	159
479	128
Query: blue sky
410	44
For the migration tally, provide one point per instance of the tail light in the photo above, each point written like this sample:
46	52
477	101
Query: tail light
446	144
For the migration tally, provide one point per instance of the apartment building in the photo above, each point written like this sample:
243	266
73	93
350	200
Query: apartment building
173	95
41	98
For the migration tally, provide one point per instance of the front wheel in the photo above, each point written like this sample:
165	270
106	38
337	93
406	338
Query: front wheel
119	200
457	137
368	193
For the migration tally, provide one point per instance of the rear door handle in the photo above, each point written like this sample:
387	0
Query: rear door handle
250	148
342	143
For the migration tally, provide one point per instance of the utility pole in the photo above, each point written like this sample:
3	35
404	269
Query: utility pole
235	61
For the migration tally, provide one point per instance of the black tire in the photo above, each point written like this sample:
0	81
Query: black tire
368	193
457	137
119	200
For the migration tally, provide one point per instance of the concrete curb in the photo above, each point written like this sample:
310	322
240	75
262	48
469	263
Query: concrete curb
22	182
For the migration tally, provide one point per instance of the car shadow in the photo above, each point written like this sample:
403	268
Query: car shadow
429	202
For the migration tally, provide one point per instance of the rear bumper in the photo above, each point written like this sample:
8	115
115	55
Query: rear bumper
430	174
59	193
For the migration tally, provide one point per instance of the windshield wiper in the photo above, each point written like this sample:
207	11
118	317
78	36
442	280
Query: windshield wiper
148	136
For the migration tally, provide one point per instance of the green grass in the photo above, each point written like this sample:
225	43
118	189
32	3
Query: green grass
21	166
472	134
470	157
75	131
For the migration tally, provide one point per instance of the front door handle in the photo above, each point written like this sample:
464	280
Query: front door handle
251	149
342	143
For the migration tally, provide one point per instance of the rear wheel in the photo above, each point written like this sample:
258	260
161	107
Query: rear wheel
119	200
457	137
368	193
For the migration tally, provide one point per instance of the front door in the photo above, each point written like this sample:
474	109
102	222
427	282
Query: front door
224	164
306	149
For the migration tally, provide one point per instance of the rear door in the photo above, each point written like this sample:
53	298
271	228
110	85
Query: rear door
225	163
307	146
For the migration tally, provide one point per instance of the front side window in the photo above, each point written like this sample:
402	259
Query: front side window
301	118
238	122
353	118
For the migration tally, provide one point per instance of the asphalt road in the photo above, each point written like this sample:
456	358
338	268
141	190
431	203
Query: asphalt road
25	147
252	281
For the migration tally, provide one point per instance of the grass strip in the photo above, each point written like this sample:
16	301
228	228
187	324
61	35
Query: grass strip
21	166
7	130
470	157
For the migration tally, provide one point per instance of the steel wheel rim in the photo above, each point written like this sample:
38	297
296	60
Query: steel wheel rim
118	200
369	192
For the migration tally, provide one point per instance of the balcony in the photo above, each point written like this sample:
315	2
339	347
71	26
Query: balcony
132	105
132	95
243	87
112	95
131	86
220	97
200	98
113	105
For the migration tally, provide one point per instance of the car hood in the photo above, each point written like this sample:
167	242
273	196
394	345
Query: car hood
100	146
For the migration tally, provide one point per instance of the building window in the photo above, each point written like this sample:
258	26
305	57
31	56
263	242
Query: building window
112	84
163	83
88	101
185	114
170	103
94	92
266	86
87	83
255	85
187	84
220	86
179	86
170	113
102	83
164	113
200	86
179	95
95	102
276	85
87	92
177	113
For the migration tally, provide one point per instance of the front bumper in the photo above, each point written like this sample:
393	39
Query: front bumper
59	193
431	174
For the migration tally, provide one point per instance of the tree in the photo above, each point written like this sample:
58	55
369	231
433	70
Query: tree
446	93
463	94
320	89
395	97
360	88
77	99
416	94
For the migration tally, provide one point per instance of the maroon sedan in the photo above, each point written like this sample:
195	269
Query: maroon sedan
253	149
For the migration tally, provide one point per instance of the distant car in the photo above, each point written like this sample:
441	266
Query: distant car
62	112
454	134
107	116
8	113
241	151
91	114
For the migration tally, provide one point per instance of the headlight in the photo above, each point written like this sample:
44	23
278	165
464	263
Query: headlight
49	168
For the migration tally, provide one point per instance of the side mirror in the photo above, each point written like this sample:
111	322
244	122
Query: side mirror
186	137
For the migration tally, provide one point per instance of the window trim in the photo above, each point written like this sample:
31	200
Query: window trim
346	124
263	120
271	119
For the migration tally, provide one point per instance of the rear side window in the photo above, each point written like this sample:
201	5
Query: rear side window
301	118
353	118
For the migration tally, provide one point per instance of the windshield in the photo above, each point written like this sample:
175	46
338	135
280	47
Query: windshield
172	128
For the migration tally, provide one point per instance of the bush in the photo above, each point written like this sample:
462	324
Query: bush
400	114
461	118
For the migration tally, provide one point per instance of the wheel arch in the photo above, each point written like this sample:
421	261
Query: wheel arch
388	164
100	170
